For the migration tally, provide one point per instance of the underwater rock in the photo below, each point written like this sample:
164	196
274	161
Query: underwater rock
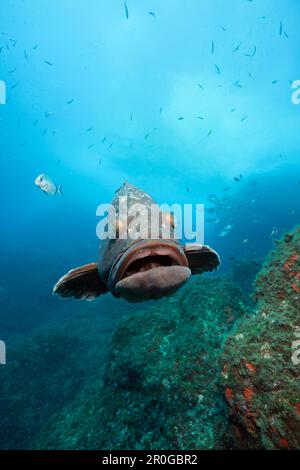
244	272
37	380
160	387
261	366
45	373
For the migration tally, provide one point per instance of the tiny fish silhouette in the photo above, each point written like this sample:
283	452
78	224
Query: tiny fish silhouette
280	28
252	54
126	11
237	47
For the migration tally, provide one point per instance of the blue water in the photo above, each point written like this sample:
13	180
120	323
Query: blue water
93	99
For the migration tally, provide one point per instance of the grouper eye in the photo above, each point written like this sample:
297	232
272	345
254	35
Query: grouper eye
119	227
170	218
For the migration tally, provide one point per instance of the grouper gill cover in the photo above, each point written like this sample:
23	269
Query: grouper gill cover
150	225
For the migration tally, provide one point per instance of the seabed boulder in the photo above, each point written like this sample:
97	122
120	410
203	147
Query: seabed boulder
160	389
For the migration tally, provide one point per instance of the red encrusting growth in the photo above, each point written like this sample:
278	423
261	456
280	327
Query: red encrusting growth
290	262
248	394
295	287
229	394
297	408
251	367
295	275
284	443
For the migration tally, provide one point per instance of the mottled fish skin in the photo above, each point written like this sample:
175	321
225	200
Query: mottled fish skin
138	268
112	249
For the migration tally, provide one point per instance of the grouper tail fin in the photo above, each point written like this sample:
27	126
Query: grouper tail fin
82	283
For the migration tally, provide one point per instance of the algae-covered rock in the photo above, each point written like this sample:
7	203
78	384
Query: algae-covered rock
261	365
42	376
160	388
244	273
46	372
172	367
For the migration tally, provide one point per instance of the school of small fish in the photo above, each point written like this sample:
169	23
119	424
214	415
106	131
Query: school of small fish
220	209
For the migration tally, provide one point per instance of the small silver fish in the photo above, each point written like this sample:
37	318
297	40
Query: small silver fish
47	185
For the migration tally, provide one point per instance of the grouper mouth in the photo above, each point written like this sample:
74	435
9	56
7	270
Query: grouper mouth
149	269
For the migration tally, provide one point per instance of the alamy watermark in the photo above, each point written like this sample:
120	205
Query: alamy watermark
296	93
2	92
142	221
296	347
2	352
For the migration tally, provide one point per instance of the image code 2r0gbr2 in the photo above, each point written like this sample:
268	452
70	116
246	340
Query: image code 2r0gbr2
171	459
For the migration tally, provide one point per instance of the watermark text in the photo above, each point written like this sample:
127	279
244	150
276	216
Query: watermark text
2	352
296	348
2	92
296	93
142	221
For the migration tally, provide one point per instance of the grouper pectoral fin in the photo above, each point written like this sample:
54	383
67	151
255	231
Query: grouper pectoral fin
82	283
201	258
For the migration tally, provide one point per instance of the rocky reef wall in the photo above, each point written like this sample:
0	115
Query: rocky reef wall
261	361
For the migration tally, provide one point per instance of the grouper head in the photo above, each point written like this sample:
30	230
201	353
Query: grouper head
143	268
139	267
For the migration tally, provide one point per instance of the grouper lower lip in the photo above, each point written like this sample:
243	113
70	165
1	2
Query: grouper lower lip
148	270
153	283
